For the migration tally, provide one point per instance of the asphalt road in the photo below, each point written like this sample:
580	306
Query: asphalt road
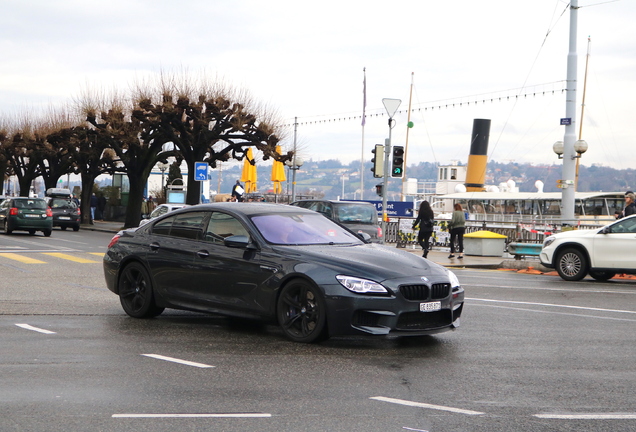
534	353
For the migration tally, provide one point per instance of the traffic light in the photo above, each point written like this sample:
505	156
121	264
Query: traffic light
379	189
378	161
398	162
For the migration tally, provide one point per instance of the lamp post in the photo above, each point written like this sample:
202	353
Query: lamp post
569	164
163	167
294	165
391	106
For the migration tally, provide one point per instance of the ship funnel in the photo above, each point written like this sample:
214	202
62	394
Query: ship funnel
478	158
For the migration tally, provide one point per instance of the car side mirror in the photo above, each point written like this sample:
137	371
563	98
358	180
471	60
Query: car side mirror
606	230
238	241
364	236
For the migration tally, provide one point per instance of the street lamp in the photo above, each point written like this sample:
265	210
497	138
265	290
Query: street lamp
294	164
391	106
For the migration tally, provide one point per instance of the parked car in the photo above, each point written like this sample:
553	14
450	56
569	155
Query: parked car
282	264
358	216
26	214
66	213
601	252
161	210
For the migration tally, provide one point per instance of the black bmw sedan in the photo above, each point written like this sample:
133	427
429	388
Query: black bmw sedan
282	264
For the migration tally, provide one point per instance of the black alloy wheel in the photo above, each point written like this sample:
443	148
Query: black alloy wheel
301	312
571	264
602	275
135	292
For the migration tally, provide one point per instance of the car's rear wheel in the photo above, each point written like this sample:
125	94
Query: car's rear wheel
602	275
5	227
302	312
76	227
135	292
63	228
31	232
571	264
47	232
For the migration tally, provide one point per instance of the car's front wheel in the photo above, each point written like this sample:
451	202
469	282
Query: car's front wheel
571	264
602	275
135	292
302	312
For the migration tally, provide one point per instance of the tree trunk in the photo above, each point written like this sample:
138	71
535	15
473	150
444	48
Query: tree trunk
88	180
135	199
193	195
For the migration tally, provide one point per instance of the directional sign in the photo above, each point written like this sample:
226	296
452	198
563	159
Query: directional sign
566	121
200	171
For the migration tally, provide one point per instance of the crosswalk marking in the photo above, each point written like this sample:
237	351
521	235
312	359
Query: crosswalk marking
22	258
70	257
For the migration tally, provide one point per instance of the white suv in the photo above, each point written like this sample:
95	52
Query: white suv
601	252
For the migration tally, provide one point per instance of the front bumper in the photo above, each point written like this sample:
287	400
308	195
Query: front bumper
392	316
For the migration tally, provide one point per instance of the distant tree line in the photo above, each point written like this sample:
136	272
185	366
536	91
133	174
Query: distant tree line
129	134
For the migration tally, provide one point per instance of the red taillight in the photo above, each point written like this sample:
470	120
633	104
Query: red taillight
379	232
13	211
113	241
77	211
49	213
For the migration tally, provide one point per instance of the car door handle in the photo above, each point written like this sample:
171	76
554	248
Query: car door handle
203	254
154	246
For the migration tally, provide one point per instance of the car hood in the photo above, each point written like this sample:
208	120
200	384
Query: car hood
577	233
377	261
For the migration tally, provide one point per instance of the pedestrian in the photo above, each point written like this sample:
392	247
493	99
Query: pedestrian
456	227
630	206
93	206
237	191
101	206
426	220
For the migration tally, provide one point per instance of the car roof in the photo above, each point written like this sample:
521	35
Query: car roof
248	208
334	201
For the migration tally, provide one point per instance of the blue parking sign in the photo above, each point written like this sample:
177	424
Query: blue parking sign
200	171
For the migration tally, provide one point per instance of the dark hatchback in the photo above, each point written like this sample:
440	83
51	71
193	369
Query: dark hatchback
66	214
26	214
358	216
280	264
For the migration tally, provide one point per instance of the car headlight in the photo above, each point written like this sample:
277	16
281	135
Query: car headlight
548	241
453	279
361	286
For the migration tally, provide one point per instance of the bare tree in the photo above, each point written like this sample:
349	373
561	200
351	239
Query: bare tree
208	122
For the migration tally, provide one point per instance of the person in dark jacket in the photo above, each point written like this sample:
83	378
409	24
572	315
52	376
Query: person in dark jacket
630	206
426	221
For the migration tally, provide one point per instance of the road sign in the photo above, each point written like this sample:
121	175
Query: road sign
566	121
200	171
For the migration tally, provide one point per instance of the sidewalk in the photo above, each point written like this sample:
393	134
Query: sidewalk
437	255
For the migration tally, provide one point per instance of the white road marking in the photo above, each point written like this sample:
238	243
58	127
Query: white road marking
564	289
553	305
590	416
423	405
30	327
228	415
175	360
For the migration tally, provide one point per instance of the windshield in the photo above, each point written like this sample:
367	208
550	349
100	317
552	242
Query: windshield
61	203
302	229
356	213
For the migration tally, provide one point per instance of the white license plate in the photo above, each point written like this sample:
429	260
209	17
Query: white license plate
430	306
65	218
32	215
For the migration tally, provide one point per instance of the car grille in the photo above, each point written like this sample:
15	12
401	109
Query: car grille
424	320
423	292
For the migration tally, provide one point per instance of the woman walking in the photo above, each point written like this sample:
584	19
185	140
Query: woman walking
425	219
456	227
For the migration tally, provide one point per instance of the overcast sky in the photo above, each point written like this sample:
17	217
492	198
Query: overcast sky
306	60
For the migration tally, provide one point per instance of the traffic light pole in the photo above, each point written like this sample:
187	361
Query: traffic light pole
385	180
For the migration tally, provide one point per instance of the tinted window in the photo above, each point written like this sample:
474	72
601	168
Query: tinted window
188	225
356	213
302	229
61	203
34	204
222	225
625	226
